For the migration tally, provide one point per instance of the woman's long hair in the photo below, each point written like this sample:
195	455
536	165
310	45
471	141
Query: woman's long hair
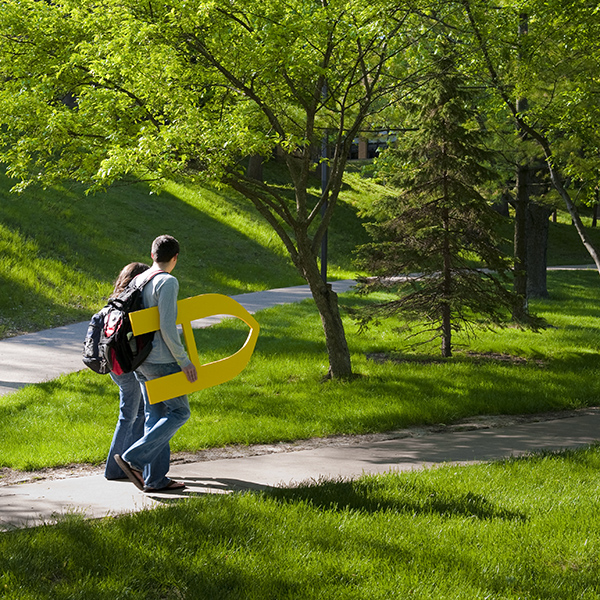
126	275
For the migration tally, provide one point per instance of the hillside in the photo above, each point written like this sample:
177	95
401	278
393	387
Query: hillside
60	250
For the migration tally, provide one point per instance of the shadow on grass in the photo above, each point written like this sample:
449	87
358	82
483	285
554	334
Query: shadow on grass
363	495
282	544
370	496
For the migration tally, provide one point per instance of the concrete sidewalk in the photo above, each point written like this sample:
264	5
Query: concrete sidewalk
45	355
42	356
31	504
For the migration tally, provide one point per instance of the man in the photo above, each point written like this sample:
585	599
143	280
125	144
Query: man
147	461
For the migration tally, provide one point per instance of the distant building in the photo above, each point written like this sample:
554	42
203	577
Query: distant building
370	143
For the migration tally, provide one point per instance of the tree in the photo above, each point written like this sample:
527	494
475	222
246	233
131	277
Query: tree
555	68
121	89
440	225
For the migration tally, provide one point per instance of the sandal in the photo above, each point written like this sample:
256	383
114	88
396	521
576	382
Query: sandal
172	485
136	477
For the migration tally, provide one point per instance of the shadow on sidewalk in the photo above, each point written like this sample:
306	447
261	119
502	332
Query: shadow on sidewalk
201	486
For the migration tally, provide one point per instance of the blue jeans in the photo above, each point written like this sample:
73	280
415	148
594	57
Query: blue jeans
152	454
130	426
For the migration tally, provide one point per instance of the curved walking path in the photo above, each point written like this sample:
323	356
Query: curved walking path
45	355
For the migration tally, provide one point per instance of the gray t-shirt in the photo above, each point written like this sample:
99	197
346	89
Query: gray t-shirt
162	291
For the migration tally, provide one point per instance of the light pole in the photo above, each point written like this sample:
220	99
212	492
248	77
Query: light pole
324	182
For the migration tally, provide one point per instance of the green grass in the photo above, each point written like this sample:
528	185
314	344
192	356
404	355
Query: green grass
565	246
280	396
60	251
517	529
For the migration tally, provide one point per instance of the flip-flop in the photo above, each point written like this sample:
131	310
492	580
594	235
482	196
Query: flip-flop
133	475
172	485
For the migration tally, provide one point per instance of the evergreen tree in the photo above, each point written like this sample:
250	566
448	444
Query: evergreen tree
437	223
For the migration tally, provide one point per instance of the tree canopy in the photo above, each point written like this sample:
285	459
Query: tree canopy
115	90
100	92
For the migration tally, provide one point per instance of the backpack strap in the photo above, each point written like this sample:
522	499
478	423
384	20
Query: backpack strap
134	284
144	279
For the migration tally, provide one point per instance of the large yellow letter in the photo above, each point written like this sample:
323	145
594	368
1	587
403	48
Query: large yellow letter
210	374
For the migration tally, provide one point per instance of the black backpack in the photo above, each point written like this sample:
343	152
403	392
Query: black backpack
110	344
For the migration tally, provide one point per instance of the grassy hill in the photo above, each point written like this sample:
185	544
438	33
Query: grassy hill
60	250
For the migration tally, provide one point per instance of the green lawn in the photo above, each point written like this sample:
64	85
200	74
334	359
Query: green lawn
60	250
517	529
280	395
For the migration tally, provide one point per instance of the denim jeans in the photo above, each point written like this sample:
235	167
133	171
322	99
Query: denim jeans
152	454
130	425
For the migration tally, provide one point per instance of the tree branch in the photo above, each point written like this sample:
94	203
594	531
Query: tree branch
539	138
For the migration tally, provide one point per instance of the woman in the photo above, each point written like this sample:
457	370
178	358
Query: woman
130	426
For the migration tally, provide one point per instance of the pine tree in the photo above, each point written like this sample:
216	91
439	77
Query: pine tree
437	223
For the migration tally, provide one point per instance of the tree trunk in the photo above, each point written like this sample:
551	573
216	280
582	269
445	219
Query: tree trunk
520	243
304	258
326	300
538	225
446	331
522	200
447	294
501	206
255	167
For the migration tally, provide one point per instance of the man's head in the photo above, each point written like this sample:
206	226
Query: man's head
164	248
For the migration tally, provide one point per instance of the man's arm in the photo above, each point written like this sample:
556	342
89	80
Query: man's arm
167	308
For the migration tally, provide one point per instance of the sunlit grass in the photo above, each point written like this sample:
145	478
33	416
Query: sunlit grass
60	250
280	395
525	528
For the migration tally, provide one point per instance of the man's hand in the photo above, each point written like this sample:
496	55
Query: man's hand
190	373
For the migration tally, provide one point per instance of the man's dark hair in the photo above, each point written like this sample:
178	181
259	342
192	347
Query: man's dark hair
164	248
